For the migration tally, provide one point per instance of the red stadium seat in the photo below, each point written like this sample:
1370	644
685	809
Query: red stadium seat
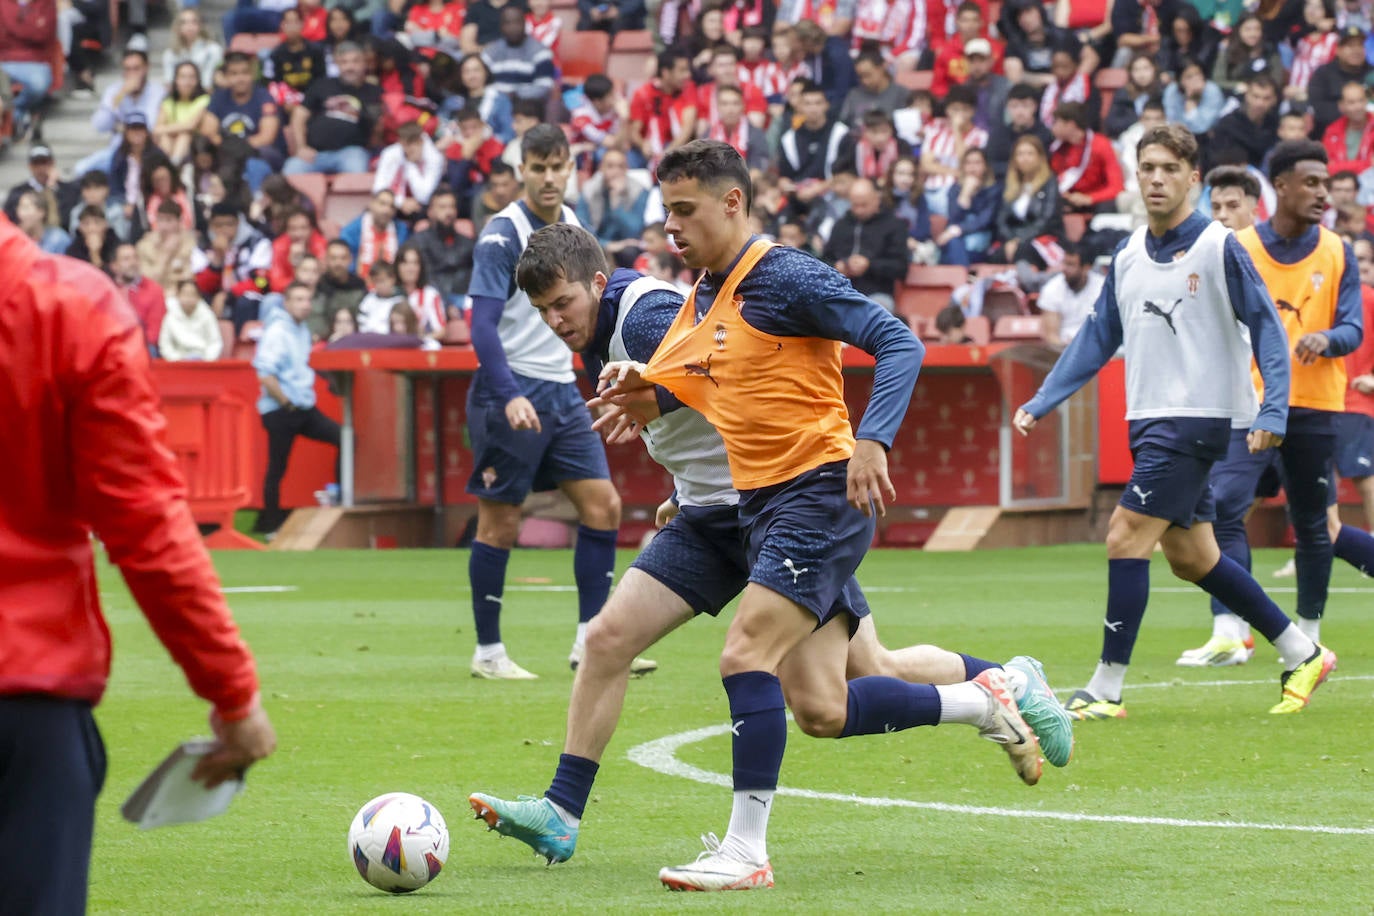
351	183
947	275
315	187
630	69
921	301
915	79
641	40
1017	327
456	334
583	53
1110	79
978	330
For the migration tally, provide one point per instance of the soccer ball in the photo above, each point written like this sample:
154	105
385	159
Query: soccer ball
398	842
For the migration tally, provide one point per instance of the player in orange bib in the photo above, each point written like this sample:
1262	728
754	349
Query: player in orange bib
756	350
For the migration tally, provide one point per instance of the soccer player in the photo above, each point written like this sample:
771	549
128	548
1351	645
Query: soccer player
1178	293
756	349
527	423
1235	196
696	563
78	394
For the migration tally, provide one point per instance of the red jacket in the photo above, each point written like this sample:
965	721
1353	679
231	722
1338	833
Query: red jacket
29	31
282	272
1334	141
77	392
150	306
951	67
1101	179
1361	361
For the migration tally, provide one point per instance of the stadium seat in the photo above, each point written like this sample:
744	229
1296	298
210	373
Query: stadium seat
330	229
457	334
630	69
947	275
937	224
641	40
921	301
1110	79
351	183
979	330
584	53
314	186
254	44
1017	327
348	197
570	17
915	79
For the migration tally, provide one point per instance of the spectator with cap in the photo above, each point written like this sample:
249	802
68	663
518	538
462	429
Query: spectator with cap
335	125
991	88
95	192
44	177
31	216
133	94
146	297
951	62
28	30
1349	65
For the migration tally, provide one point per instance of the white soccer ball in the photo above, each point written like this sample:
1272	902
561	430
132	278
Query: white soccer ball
398	842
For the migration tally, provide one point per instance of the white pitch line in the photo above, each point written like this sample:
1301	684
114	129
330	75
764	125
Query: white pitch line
1280	590
257	589
911	589
1182	683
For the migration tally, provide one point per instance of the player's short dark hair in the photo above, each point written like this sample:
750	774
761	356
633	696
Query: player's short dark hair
500	167
1234	176
1076	112
1023	92
544	141
236	57
597	87
961	95
1175	138
713	163
1289	153
95	178
559	250
668	58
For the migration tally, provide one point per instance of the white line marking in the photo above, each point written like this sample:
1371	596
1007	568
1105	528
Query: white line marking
1279	590
907	590
258	589
1181	683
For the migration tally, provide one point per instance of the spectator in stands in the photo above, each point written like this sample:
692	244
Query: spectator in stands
1138	26
471	152
94	241
827	60
336	121
287	404
411	168
147	298
160	183
1345	191
231	270
45	178
374	311
500	189
725	72
1030	53
594	15
1247	54
1030	203
1089	176
730	125
875	90
181	112
991	88
699	42
1193	100
868	245
1022	120
375	234
1069	297
191	43
668	268
338	286
341	28
300	238
31	216
1253	126
810	150
870	152
527	114
905	197
1349	140
545	26
275	201
1070	85
259	17
787	59
425	301
1142	86
244	122
882	24
1350	65
482	25
190	330
521	66
435	25
133	157
342	325
134	94
474	90
601	122
663	112
972	208
949	325
945	145
28	32
293	65
951	63
653	241
446	252
1314	49
95	192
1189	39
384	19
612	208
793	233
165	253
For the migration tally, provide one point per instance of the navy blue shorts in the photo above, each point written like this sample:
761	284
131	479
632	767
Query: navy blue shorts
1170	485
805	541
1354	445
509	464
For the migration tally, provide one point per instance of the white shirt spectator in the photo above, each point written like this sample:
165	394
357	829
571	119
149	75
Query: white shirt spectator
1072	307
194	336
406	179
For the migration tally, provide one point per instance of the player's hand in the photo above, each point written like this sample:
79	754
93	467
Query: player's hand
1260	439
1023	422
520	413
619	377
1311	347
623	417
1364	384
239	744
667	511
868	480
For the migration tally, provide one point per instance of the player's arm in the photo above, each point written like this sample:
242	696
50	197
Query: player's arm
1268	339
1347	327
493	265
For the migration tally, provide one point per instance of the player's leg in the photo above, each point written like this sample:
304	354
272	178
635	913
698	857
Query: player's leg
1354	460
1308	474
52	766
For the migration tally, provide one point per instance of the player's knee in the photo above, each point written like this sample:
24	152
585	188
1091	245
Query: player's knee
1189	568
1122	538
603	512
608	641
499	528
819	717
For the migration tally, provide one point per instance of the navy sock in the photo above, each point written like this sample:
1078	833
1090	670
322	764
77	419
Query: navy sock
1128	591
487	576
593	566
759	724
1239	591
885	704
973	667
572	783
1355	547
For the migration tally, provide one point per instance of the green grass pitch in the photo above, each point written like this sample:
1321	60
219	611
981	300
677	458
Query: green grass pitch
365	672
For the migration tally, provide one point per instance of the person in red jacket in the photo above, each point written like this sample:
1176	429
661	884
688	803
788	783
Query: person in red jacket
1349	140
28	31
1086	166
78	393
301	238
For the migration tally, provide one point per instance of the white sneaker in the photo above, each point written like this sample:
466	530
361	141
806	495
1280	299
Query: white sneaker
1287	570
715	871
1216	653
1007	728
500	669
638	668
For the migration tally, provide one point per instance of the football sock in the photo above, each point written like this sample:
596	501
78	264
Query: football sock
1312	629
1128	592
1238	590
1227	626
965	703
593	568
490	652
1313	578
487	576
1355	547
581	638
885	704
974	666
572	784
758	723
1294	646
1107	681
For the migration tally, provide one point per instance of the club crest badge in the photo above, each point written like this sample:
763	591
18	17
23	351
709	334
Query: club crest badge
720	336
489	478
1318	278
1194	282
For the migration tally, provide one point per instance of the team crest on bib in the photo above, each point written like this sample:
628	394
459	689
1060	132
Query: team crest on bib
1194	281
1317	280
489	478
720	336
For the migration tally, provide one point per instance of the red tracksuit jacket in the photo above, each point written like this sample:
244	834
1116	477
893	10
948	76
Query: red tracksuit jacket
84	452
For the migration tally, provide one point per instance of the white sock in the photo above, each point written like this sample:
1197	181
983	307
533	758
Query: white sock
747	837
581	638
490	652
965	703
1294	646
1228	626
1107	681
1313	629
564	813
